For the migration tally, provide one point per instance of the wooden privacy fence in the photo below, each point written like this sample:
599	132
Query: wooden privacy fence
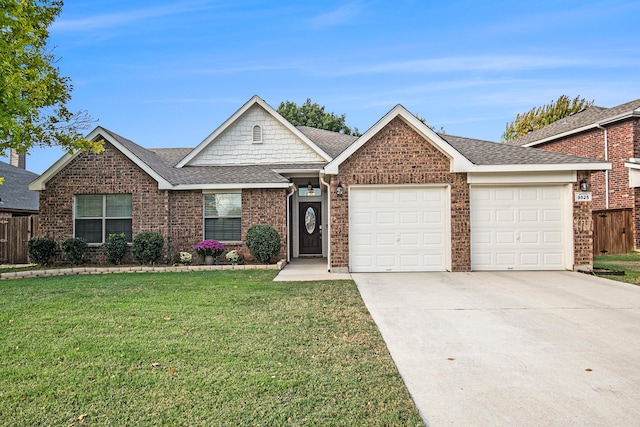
612	231
14	233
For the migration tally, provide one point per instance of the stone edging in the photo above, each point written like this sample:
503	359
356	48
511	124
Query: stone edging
134	269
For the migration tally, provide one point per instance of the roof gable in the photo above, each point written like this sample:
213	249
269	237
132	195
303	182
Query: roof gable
457	161
232	144
147	160
472	155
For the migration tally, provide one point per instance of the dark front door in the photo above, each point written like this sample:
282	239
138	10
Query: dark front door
310	229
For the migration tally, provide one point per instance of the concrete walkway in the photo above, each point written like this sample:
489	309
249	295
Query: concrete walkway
512	348
308	269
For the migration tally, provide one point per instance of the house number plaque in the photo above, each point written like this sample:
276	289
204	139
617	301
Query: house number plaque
583	196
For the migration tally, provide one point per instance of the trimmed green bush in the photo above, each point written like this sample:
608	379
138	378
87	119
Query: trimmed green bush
115	248
74	249
263	242
41	250
147	246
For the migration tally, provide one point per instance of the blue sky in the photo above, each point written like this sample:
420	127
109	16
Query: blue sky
168	73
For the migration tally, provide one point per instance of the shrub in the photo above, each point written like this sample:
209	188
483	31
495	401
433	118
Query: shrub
74	249
263	242
235	257
185	258
41	250
147	246
115	248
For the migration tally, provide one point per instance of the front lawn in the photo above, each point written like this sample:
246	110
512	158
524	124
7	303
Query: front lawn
225	348
629	263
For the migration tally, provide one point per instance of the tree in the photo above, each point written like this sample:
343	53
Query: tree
33	94
539	117
313	115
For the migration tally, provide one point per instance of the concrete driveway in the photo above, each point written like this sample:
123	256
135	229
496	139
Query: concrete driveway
512	348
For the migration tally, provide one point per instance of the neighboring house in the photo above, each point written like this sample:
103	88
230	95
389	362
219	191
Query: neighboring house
15	197
613	135
398	198
18	211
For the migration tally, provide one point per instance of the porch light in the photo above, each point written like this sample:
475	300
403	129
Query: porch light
339	189
310	191
583	185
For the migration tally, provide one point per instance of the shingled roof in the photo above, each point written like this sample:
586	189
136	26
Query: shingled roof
481	152
15	195
578	122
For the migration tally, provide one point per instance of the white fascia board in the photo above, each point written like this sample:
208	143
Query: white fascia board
40	183
238	186
556	177
297	171
540	167
632	164
255	100
457	160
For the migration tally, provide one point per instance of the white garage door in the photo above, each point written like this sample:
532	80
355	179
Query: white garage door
520	228
398	228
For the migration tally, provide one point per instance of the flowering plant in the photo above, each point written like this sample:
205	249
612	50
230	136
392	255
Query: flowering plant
234	257
209	247
185	258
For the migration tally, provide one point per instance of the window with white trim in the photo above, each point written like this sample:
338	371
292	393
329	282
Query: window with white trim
98	215
257	134
223	217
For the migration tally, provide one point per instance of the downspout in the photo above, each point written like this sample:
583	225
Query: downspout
328	221
293	190
606	172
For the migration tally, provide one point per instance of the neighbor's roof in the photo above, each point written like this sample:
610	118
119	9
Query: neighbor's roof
584	120
14	192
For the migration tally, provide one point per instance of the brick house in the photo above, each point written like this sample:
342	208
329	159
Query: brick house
609	134
398	198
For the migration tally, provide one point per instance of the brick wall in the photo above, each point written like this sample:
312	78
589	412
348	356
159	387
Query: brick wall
399	155
623	143
177	215
266	206
582	228
109	172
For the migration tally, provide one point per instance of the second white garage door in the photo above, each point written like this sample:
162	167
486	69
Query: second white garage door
399	228
520	227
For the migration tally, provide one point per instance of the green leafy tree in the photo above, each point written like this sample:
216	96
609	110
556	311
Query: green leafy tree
539	117
33	94
313	115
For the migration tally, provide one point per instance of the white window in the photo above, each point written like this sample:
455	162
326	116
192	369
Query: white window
98	215
257	134
223	217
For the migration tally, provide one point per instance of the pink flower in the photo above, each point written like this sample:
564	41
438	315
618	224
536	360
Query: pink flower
209	247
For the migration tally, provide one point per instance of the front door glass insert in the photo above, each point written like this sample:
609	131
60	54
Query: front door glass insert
310	220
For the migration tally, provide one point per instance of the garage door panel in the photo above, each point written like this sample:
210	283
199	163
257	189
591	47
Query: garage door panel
410	229
519	227
529	215
505	215
529	237
382	239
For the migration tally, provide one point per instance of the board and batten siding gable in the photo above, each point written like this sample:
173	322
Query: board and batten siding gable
235	145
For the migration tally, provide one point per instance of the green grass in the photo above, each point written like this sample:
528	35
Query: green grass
223	348
629	263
